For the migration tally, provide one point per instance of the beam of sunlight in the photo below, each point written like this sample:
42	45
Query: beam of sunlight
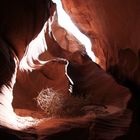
36	47
8	118
65	21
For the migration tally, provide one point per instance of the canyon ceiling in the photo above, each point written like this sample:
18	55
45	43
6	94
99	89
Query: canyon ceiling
84	100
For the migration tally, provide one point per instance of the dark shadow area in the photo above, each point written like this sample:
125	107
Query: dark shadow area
133	105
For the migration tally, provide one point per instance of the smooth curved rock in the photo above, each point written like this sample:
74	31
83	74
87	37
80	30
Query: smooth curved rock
103	113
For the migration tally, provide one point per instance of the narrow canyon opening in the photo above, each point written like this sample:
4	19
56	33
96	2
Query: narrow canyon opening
69	70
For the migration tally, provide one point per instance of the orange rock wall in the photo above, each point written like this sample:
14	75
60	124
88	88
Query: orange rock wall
113	28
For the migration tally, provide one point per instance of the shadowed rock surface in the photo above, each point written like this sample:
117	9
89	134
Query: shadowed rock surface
101	102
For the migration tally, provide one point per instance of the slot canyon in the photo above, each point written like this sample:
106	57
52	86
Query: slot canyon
69	70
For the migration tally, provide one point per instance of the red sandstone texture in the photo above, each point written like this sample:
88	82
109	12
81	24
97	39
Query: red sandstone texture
97	104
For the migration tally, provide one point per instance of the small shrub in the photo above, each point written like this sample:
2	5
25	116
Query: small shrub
50	101
57	104
54	103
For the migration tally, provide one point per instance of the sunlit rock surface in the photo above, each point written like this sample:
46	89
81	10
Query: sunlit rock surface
97	105
114	31
97	110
